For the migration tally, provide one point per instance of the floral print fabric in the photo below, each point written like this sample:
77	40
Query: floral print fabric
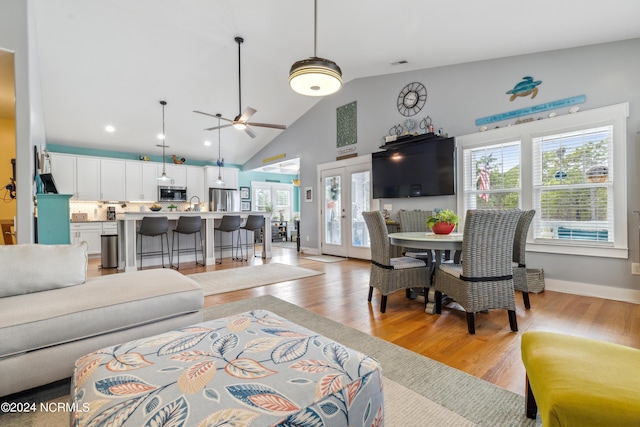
251	369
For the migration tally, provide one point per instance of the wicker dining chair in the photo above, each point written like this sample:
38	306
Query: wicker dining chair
519	256
415	221
484	279
390	274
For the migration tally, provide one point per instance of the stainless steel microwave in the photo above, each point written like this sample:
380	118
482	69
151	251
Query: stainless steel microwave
172	194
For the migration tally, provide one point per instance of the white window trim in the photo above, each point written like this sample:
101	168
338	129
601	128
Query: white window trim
615	115
273	187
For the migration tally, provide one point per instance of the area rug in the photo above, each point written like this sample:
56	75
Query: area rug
325	258
418	391
217	282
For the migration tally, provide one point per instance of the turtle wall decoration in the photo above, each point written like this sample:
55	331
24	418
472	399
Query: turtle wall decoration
524	88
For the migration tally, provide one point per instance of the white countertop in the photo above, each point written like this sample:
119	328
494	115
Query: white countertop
127	216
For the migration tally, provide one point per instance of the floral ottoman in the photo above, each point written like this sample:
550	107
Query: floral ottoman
250	369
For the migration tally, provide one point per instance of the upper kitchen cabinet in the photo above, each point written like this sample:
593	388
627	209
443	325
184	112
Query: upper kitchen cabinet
177	173
228	175
63	170
112	179
195	183
140	182
87	178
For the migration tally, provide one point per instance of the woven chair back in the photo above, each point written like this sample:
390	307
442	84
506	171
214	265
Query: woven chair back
413	220
380	246
487	247
520	238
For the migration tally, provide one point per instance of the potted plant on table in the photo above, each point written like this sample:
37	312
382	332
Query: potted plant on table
443	221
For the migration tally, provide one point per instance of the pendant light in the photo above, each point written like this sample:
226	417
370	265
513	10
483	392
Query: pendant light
220	160
163	177
315	76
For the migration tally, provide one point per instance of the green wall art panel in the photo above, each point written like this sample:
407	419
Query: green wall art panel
347	120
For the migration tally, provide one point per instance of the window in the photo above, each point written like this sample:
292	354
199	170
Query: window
573	187
275	196
492	176
571	169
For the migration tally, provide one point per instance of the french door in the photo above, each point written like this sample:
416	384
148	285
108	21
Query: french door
345	192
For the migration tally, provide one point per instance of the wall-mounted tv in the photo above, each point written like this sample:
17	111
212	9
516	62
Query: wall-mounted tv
415	170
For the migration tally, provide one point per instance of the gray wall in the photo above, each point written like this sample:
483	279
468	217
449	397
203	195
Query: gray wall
458	95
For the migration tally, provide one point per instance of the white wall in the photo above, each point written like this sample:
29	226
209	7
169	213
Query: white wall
458	95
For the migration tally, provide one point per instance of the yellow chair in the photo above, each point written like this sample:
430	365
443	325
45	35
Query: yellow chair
580	381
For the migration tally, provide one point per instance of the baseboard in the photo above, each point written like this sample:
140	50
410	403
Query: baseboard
599	291
309	251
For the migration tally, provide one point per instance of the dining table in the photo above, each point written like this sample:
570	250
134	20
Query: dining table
439	243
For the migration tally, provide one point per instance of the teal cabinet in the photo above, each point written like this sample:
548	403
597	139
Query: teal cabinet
54	224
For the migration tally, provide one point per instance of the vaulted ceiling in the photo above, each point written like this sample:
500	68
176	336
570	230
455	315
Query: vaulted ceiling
110	62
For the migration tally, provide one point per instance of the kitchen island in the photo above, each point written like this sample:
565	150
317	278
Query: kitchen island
128	223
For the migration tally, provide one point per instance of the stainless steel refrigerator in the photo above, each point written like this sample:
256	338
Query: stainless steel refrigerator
223	200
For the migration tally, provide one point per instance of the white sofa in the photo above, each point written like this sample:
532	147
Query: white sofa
51	314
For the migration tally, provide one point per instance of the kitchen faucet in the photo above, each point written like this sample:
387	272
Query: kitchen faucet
197	208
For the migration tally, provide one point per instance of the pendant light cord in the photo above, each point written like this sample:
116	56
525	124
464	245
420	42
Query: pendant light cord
315	27
164	139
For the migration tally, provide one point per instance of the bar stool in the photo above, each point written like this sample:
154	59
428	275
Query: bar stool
153	226
229	224
188	225
253	224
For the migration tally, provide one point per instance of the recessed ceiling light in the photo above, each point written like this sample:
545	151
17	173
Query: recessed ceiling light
207	143
110	128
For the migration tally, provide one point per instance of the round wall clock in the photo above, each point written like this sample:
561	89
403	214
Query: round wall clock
411	99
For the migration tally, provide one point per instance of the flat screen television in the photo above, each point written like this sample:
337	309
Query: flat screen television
416	170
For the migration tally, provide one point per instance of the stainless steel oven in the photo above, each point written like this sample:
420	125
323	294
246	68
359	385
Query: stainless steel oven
172	194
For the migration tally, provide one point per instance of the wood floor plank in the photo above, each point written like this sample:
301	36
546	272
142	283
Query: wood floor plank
493	354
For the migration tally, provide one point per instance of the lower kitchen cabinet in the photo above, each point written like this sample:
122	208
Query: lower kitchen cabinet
90	232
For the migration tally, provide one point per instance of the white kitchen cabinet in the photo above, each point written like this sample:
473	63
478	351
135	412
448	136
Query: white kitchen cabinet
229	176
110	227
177	173
89	232
112	179
63	170
88	178
195	183
140	182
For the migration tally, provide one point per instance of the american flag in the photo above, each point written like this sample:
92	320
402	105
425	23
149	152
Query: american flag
485	181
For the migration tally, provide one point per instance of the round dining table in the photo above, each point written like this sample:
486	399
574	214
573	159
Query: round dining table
439	243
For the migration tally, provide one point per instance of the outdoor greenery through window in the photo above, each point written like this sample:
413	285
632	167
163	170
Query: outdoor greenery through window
572	185
492	176
571	169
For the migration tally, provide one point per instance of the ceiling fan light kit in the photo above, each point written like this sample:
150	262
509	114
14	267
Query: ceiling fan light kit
241	121
163	177
315	76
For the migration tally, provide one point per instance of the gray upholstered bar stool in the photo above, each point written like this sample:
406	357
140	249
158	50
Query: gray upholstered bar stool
228	224
254	223
154	226
187	225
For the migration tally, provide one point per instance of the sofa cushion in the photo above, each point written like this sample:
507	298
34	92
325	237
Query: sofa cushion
102	305
34	268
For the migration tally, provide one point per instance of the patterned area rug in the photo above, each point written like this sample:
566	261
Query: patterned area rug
418	391
217	282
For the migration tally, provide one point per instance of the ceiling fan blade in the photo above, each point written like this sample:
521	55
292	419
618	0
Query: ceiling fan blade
267	125
218	127
212	115
246	115
250	132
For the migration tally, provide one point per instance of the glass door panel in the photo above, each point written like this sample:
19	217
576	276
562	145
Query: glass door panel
360	202
333	210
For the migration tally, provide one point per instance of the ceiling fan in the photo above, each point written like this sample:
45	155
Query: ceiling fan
241	121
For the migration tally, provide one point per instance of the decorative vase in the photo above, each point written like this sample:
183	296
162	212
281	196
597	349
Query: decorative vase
443	228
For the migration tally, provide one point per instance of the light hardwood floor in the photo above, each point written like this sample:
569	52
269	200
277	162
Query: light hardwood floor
492	354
